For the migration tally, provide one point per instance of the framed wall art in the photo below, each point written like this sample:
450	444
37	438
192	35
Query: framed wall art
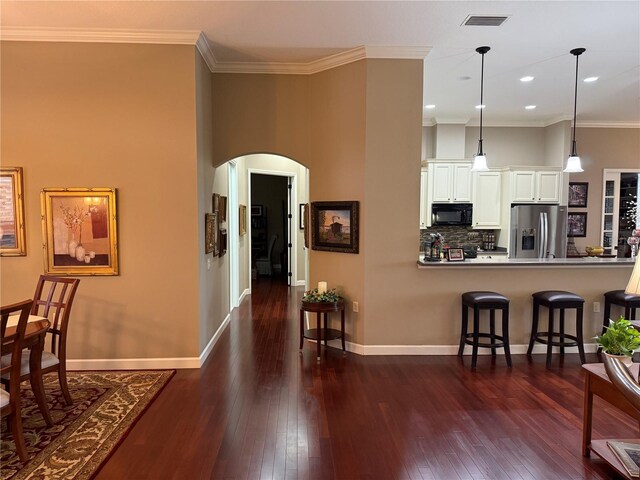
334	226
223	241
215	202
223	209
257	210
243	220
12	230
209	233
578	194
306	224
79	228
577	224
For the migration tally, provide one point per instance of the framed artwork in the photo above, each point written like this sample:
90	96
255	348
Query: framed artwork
577	224
12	231
257	210
301	215
578	194
223	209
209	234
223	241
243	220
79	227
455	255
334	226
215	202
305	215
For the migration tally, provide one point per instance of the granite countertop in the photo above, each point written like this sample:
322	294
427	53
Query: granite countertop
486	260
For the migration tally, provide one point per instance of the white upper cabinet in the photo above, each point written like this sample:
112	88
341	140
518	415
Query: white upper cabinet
487	196
450	182
529	186
424	204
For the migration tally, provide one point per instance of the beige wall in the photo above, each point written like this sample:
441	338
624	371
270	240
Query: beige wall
601	148
507	145
123	116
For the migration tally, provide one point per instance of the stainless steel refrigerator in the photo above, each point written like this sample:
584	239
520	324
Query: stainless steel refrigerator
538	231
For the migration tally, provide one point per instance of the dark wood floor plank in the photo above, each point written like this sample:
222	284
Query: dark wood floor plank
261	409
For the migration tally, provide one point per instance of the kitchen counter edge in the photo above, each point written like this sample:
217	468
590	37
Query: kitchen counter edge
530	263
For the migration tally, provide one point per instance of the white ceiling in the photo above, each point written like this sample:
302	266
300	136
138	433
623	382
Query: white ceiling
535	40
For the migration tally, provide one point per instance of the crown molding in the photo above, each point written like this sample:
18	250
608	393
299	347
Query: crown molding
325	63
202	44
608	124
35	34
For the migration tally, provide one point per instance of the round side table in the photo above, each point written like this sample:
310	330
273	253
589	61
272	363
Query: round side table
319	334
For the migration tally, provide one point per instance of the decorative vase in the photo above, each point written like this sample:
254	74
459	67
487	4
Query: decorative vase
626	360
80	253
73	245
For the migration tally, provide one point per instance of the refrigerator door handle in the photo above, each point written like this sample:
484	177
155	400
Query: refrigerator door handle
545	247
540	236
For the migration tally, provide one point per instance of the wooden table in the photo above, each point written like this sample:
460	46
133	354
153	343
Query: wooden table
34	336
324	333
597	383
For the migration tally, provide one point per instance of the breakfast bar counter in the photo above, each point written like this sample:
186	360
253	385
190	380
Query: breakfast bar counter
501	261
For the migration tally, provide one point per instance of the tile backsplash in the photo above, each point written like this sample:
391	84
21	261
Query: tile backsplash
455	236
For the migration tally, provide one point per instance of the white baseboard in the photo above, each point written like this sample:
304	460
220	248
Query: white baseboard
300	283
243	295
207	350
149	363
446	349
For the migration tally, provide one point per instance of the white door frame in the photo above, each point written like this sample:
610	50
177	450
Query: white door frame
294	216
233	237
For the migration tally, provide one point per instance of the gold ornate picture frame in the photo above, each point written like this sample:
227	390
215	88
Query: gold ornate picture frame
209	232
243	220
79	229
12	230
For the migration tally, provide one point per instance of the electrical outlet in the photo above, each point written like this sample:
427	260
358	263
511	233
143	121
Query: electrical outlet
356	307
596	307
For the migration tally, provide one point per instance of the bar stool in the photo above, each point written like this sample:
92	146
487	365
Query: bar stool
618	297
485	301
553	299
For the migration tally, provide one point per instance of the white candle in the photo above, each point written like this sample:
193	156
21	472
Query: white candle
92	254
87	259
322	287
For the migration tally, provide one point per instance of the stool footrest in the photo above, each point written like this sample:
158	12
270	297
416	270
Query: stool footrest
499	344
542	338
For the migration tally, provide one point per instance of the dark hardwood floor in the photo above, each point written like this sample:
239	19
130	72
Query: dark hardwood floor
260	409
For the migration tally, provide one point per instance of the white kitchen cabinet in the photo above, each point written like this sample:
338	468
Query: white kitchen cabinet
487	197
529	186
450	182
424	203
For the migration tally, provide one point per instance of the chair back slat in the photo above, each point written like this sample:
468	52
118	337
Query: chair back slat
14	343
56	308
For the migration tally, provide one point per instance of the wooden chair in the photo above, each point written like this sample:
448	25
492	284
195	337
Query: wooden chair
53	299
13	344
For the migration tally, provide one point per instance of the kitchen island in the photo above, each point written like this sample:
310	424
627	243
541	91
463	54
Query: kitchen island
501	261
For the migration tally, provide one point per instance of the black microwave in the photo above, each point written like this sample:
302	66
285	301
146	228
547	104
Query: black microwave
451	214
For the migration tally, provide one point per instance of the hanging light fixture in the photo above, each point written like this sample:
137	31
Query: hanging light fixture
573	162
480	160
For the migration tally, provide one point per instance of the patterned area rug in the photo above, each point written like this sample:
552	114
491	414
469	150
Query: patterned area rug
106	405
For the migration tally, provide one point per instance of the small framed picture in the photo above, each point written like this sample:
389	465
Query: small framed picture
222	209
243	220
215	202
577	224
12	236
335	226
578	194
455	255
256	210
210	233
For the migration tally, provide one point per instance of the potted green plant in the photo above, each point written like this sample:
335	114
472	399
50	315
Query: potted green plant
620	339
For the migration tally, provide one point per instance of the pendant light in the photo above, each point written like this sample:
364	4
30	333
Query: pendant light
480	160
573	162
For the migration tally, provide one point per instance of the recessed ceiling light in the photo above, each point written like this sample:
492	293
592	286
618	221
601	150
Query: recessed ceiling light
527	78
480	106
530	107
590	79
429	106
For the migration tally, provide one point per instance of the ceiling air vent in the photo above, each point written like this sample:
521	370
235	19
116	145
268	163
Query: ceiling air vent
485	20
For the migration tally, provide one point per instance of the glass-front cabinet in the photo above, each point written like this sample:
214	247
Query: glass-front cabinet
619	210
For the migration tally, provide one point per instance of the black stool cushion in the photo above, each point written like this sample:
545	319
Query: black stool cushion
480	298
618	297
557	296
